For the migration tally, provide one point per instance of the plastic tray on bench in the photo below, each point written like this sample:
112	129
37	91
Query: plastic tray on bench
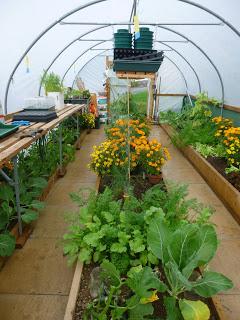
7	129
35	115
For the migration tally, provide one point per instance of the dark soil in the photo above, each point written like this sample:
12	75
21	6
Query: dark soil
138	182
84	297
220	165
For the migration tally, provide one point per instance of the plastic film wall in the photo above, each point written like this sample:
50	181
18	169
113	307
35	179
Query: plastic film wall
23	21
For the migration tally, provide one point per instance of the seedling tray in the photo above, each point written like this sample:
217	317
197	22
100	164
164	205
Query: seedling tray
7	129
35	116
137	66
76	101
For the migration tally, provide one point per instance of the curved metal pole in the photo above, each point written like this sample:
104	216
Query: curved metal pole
197	77
87	64
101	42
65	48
85	6
184	79
205	54
213	14
38	38
180	71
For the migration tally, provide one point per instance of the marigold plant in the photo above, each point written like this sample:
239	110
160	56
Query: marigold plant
222	124
87	120
128	138
153	157
232	143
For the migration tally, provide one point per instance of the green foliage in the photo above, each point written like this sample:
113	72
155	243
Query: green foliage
52	82
232	169
210	151
35	166
194	310
76	94
142	282
107	228
193	125
7	244
181	252
195	132
137	106
122	261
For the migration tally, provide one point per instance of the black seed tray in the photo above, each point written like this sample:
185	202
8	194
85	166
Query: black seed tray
127	53
35	116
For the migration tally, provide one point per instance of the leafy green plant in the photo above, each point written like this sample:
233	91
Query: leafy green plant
137	107
35	166
143	282
181	252
52	82
232	169
210	151
194	124
30	206
106	226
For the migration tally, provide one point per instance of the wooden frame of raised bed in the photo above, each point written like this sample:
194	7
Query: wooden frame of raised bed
76	282
229	195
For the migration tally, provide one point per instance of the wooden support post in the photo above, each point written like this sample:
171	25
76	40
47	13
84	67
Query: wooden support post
151	99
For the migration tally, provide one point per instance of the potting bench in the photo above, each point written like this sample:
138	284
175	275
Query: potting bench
12	145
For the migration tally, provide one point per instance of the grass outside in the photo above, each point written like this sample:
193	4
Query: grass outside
141	99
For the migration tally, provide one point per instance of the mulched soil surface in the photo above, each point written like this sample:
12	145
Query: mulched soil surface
220	165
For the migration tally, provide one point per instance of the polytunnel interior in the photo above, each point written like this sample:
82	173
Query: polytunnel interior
125	202
199	22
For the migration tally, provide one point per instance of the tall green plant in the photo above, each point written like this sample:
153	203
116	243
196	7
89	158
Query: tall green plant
52	82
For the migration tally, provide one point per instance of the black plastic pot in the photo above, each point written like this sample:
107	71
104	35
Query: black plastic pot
97	123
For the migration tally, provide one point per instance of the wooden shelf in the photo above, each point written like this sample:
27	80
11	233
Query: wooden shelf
13	144
135	75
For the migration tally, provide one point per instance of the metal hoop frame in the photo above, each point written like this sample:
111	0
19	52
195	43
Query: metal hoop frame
175	64
189	64
91	4
194	44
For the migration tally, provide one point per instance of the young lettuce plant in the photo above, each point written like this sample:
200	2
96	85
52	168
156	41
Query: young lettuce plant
189	247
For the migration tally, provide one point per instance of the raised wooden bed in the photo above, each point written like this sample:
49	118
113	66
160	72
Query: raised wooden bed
229	195
76	282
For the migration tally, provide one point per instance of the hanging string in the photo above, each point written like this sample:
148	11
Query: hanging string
27	64
136	28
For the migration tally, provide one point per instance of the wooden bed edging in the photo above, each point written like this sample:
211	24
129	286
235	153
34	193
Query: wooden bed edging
229	195
74	291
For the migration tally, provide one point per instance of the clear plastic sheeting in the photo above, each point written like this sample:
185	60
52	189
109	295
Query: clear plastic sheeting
23	21
170	103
